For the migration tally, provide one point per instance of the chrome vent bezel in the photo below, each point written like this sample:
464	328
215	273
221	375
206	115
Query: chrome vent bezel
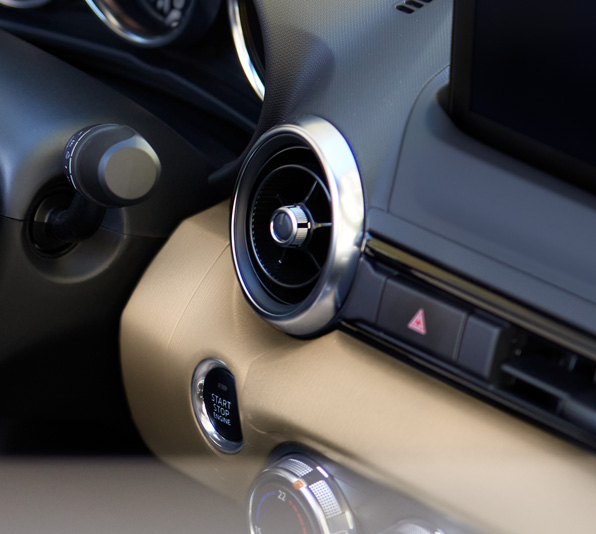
142	26
318	309
252	66
24	4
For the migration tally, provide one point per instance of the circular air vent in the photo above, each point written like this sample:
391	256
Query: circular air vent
297	225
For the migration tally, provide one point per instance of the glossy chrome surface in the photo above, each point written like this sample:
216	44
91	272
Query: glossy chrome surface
320	307
299	223
242	50
129	29
24	4
198	404
105	14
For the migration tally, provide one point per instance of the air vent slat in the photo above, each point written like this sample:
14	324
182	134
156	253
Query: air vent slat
291	180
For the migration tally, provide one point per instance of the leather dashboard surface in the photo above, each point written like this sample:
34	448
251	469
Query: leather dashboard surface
334	394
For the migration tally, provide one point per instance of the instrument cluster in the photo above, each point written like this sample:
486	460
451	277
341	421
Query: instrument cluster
146	23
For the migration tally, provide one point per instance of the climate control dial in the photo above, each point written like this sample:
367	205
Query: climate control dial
296	495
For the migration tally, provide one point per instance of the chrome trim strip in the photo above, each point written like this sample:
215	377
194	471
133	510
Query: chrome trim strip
241	49
24	4
198	404
127	28
321	306
486	299
107	16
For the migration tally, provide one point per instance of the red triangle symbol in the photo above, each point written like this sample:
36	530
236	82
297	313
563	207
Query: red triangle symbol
418	322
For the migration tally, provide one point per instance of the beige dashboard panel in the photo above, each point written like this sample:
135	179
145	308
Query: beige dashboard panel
348	401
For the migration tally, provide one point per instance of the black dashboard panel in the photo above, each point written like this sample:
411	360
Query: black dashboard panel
472	197
327	59
520	95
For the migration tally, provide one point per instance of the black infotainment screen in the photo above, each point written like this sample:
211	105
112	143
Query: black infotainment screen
524	79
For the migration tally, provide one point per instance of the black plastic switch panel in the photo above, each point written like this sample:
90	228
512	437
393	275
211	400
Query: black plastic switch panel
419	318
581	409
365	295
485	345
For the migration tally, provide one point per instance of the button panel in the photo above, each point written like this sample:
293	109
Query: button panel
365	295
465	340
485	345
417	317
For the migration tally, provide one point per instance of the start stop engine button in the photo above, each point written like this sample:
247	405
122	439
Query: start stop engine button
219	394
215	404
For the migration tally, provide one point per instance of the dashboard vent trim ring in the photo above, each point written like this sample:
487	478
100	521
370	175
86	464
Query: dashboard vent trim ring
324	157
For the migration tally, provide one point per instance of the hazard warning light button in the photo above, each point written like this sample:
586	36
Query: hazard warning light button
417	317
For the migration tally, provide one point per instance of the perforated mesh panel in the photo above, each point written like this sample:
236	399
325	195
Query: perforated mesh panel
326	499
297	467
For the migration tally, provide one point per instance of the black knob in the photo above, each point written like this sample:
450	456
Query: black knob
111	165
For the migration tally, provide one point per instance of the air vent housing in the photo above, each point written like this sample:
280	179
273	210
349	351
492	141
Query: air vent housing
555	381
297	225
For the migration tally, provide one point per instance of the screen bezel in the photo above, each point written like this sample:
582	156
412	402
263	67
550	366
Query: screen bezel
504	138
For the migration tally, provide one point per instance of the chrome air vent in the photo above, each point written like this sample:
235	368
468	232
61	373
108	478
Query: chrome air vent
297	225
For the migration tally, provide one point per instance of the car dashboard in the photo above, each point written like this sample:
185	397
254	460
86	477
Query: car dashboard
334	310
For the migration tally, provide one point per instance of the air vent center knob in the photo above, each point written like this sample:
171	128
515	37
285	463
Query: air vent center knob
290	226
